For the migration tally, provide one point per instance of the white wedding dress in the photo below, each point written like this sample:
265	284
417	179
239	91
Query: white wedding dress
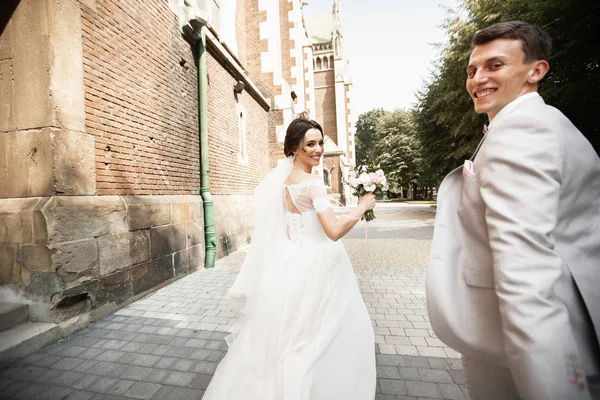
304	332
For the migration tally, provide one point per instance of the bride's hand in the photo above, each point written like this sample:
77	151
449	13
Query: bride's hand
367	202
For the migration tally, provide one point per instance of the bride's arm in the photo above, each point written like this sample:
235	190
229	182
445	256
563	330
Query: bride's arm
336	227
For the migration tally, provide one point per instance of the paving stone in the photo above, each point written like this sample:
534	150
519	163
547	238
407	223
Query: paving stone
457	376
28	373
163	393
66	378
103	368
182	364
120	387
143	390
201	381
438	363
84	382
146	360
395	387
383	359
102	385
409	374
109	355
157	376
185	394
451	391
47	377
80	395
204	367
423	389
388	372
177	378
30	391
416	362
137	373
435	375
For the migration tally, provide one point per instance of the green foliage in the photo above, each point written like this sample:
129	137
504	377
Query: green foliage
366	126
388	139
446	124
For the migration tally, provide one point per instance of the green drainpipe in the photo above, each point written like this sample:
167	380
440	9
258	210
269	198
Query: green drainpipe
209	225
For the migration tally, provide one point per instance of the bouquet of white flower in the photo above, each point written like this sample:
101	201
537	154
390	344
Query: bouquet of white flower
363	180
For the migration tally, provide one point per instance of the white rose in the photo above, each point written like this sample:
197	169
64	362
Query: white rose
364	178
370	187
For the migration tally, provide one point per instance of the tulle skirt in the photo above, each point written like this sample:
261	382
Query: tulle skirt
304	334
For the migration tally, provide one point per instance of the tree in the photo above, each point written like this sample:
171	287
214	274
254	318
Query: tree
397	149
448	127
366	127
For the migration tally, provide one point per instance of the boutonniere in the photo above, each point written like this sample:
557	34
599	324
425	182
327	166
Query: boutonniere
485	129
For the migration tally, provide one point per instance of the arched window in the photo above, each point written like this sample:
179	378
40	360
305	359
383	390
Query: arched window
331	62
318	63
325	63
326	177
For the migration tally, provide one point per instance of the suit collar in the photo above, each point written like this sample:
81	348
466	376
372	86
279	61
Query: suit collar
513	105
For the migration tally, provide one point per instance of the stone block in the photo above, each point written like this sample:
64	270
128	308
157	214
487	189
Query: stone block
74	163
6	42
32	103
196	257
76	262
66	64
181	262
7	264
114	288
195	233
42	285
73	218
186	208
27	164
167	239
91	4
123	250
147	211
6	92
35	257
15	228
148	275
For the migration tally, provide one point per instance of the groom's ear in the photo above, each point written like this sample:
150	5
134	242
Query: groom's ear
538	71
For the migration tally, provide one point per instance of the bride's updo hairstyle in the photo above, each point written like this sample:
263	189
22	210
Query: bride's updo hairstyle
294	135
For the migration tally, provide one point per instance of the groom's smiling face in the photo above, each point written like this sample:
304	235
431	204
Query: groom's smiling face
497	74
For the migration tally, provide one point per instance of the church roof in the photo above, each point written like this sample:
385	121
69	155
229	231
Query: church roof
330	148
319	27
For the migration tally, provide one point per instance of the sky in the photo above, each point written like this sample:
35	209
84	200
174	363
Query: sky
389	45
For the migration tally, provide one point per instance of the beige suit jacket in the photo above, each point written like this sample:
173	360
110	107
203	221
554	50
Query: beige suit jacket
514	272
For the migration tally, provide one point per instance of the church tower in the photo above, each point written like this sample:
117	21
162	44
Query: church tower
332	87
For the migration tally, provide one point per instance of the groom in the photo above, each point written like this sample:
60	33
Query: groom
514	276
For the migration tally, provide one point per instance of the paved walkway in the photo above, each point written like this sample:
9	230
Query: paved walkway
167	345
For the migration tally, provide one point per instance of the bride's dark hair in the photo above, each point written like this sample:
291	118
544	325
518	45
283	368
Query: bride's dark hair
294	135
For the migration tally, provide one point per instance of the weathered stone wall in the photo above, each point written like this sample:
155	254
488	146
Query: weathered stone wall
43	142
78	254
234	221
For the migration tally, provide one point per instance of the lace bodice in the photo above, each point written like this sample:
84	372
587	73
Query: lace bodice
310	197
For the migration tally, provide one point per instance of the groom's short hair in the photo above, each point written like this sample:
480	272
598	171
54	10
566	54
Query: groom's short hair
536	43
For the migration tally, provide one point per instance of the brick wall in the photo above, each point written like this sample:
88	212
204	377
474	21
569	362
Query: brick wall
325	102
141	103
240	29
255	46
227	176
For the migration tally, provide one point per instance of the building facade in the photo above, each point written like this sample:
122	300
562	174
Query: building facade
105	175
332	105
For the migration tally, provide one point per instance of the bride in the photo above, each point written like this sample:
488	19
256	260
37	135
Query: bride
304	332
